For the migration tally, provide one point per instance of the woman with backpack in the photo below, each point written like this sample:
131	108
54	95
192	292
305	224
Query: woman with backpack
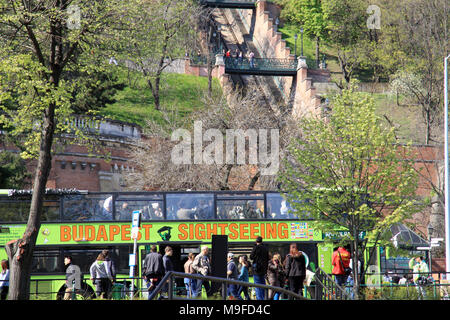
295	269
102	276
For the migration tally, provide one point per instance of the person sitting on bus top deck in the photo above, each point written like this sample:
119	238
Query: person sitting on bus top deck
203	210
105	213
183	213
157	213
124	212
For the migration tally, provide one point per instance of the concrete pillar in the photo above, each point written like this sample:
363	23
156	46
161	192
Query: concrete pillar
220	65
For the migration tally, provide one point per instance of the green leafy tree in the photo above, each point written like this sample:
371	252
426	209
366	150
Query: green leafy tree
348	172
13	171
347	32
416	40
95	83
158	32
40	40
309	15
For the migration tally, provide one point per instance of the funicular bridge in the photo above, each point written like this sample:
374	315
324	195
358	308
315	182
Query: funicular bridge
261	66
230	4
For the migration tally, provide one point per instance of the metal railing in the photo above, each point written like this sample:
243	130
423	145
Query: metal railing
270	66
327	289
323	287
44	289
229	3
168	281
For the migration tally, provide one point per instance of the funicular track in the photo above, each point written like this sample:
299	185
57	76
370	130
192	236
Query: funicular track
238	79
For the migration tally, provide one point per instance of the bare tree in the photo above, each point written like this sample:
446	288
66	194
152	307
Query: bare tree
420	32
220	112
39	43
156	34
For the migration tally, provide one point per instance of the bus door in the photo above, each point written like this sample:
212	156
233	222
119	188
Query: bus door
178	258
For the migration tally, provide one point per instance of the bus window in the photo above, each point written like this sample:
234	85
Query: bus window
240	209
14	211
84	257
151	210
46	261
50	211
87	207
191	206
278	207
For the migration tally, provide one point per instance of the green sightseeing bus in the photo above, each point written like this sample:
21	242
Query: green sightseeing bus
81	224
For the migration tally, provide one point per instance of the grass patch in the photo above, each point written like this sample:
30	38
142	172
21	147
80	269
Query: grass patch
135	102
406	119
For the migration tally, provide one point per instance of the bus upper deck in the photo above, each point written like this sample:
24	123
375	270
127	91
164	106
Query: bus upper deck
155	206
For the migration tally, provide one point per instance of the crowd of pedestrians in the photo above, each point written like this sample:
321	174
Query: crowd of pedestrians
237	57
267	269
289	273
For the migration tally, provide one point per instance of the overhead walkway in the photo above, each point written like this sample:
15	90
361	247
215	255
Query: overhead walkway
261	66
230	4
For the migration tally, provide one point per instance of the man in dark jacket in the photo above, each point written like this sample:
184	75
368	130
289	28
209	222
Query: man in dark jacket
295	266
153	269
260	257
168	266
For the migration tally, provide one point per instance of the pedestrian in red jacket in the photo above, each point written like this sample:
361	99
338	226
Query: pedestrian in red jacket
340	261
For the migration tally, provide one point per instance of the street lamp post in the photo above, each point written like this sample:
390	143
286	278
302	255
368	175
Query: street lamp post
301	35
295	47
446	165
430	232
219	29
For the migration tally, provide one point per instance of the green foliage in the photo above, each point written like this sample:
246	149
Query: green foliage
13	172
95	86
24	85
308	14
348	172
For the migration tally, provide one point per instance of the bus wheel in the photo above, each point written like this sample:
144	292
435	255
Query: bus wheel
86	292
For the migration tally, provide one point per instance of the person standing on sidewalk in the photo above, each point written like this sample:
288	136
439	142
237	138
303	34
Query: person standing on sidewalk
202	266
260	258
153	269
295	266
420	274
4	280
189	282
243	276
341	262
275	272
232	274
101	275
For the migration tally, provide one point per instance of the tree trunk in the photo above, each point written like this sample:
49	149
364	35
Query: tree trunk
209	63
20	252
428	126
156	91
